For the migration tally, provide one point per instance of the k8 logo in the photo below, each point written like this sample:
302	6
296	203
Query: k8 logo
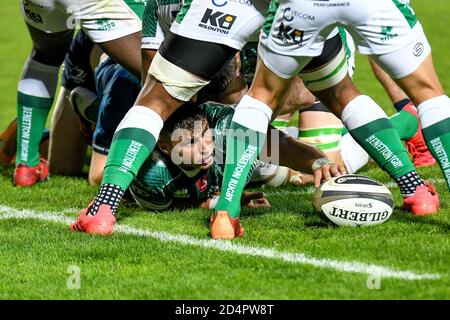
217	21
288	35
33	16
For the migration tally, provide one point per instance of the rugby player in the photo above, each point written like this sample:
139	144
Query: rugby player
186	168
287	44
190	55
112	24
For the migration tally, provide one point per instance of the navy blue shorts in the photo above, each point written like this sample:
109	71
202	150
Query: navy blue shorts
77	70
117	90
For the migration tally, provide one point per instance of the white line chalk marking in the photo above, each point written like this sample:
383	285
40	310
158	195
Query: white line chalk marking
229	246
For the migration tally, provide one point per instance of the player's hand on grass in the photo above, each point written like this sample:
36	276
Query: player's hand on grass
297	179
254	200
324	169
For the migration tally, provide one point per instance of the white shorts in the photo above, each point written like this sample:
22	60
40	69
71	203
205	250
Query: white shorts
228	22
102	20
299	28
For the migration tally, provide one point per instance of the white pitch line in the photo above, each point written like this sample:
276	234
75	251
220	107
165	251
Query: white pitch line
229	246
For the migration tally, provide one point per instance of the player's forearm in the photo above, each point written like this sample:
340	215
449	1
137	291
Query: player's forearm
289	152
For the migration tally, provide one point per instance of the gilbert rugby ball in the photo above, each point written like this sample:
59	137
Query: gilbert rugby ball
354	201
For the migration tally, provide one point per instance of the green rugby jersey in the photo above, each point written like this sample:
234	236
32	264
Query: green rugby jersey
160	182
138	6
158	17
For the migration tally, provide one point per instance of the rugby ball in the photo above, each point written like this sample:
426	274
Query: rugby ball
353	200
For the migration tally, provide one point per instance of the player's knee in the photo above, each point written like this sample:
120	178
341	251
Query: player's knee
423	83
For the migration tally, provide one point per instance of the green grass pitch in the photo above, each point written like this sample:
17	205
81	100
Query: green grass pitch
287	253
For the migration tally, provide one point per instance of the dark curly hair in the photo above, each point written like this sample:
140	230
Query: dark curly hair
184	118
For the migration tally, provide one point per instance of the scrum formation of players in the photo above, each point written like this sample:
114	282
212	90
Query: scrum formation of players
187	102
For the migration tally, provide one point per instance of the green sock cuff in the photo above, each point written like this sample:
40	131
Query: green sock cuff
374	126
344	131
117	177
34	102
438	129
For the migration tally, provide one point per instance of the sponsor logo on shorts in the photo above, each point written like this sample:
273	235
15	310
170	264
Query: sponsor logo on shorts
418	49
222	3
33	16
32	4
289	14
387	33
217	21
328	3
105	24
149	43
289	36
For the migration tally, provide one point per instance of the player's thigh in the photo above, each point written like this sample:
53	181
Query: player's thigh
50	48
268	85
47	25
126	51
207	34
274	73
423	83
327	75
413	69
112	25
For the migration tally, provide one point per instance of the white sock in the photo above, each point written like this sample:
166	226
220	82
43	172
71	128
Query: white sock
360	111
434	110
352	154
143	118
253	114
38	79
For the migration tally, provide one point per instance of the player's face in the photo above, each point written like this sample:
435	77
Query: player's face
196	150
